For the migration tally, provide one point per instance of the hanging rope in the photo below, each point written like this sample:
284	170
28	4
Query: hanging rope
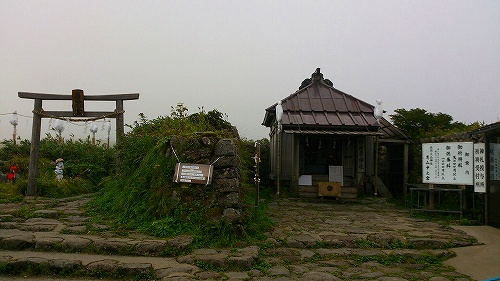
112	115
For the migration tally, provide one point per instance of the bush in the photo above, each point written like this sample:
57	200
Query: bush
85	165
142	194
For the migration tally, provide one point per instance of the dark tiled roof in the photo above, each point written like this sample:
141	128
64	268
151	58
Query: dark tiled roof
487	129
390	131
320	105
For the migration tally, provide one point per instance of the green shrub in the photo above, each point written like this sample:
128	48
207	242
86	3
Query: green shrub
143	196
84	167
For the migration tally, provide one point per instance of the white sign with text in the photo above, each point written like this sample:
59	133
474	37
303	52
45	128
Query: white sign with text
479	167
448	163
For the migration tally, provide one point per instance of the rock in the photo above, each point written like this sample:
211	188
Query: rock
306	254
33	264
18	242
46	213
427	243
232	275
438	278
388	278
366	253
244	262
226	173
38	227
76	220
41	221
231	200
112	246
334	252
64	266
382	240
319	276
47	243
224	147
165	272
372	274
75	244
79	229
138	270
208	275
150	248
279	271
103	267
301	241
6	218
232	215
9	225
226	162
226	185
218	260
181	242
179	278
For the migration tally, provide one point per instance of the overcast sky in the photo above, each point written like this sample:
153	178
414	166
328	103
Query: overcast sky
241	57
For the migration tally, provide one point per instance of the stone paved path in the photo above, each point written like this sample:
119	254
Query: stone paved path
311	240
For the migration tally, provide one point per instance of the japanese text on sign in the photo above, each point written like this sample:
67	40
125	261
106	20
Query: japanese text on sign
495	161
479	167
193	173
361	156
448	163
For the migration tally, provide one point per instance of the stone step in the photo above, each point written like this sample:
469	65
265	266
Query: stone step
119	266
16	239
197	265
71	264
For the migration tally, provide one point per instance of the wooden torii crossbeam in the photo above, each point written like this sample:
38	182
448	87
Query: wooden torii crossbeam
77	97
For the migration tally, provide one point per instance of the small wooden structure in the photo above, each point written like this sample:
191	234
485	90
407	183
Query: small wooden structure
490	135
329	138
78	98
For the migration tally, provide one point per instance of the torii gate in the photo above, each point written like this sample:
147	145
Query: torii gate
77	99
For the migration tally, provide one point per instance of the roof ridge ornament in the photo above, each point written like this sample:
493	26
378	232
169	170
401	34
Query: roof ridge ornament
315	77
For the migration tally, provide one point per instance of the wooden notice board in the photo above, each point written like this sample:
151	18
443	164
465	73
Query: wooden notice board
193	173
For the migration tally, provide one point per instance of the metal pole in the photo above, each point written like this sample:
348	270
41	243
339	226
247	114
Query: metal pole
279	164
257	178
14	134
376	166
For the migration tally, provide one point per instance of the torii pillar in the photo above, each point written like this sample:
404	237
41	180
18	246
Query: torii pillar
78	99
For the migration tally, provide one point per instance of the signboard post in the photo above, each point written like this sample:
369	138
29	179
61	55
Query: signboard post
193	173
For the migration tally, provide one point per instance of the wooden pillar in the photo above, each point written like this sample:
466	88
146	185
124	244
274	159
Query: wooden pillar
78	102
369	164
35	149
120	131
405	170
431	196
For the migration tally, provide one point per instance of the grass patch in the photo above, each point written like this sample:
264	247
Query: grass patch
364	244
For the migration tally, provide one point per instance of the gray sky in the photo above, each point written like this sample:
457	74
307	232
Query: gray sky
242	56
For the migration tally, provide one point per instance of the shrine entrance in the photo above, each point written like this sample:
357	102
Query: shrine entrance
77	97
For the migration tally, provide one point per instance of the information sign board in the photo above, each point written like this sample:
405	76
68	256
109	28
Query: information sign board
494	161
361	155
193	173
448	163
336	174
479	167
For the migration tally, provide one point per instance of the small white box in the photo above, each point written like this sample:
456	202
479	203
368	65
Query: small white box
305	180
